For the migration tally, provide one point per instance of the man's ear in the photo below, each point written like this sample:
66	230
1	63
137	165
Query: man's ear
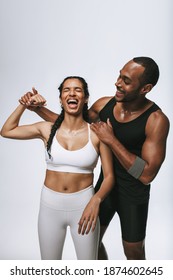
146	88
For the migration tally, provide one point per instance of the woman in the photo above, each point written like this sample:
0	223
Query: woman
72	151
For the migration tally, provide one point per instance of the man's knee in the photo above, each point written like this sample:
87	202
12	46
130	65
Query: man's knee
134	250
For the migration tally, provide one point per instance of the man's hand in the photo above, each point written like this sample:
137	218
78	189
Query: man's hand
104	131
32	100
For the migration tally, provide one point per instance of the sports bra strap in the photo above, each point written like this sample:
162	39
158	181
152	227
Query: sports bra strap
89	133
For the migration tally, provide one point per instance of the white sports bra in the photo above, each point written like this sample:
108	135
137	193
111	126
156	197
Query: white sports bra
83	160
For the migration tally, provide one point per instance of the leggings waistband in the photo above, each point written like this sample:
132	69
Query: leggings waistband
66	201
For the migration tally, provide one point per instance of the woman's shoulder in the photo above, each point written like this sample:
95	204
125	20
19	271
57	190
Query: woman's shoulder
44	124
45	128
95	140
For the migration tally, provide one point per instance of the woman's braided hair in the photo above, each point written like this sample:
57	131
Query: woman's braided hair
60	118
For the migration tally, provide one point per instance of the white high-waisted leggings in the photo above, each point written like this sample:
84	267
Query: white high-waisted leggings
57	212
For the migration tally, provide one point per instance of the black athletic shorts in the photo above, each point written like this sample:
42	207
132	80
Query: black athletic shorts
133	217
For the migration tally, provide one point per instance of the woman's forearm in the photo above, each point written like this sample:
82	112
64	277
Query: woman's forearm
105	187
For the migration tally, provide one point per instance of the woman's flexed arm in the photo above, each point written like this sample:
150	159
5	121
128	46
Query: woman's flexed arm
11	128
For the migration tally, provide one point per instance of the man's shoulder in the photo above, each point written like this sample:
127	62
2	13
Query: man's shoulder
100	103
159	116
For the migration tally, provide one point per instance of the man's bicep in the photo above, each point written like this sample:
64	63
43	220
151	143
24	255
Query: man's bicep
153	152
93	115
154	147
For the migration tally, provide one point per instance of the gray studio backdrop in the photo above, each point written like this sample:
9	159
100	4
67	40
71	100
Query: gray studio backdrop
43	41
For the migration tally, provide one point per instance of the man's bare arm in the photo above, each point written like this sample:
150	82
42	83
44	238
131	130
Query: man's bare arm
153	150
94	110
46	114
35	102
97	107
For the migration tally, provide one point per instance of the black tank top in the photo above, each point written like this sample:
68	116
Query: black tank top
132	136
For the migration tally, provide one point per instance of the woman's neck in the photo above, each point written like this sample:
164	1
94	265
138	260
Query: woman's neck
71	123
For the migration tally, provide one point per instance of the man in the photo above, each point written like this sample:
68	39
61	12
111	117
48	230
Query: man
136	130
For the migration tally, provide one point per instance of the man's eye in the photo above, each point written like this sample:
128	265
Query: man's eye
126	81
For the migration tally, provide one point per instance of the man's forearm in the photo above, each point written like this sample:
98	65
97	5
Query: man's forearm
124	156
46	114
133	164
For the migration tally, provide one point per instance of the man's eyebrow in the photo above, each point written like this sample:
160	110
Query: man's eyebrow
125	77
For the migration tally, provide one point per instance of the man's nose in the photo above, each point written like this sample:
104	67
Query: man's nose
118	82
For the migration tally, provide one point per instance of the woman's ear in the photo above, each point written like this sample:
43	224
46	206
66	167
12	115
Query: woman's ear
60	102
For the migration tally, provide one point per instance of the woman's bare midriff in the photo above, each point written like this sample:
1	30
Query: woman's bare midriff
67	182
